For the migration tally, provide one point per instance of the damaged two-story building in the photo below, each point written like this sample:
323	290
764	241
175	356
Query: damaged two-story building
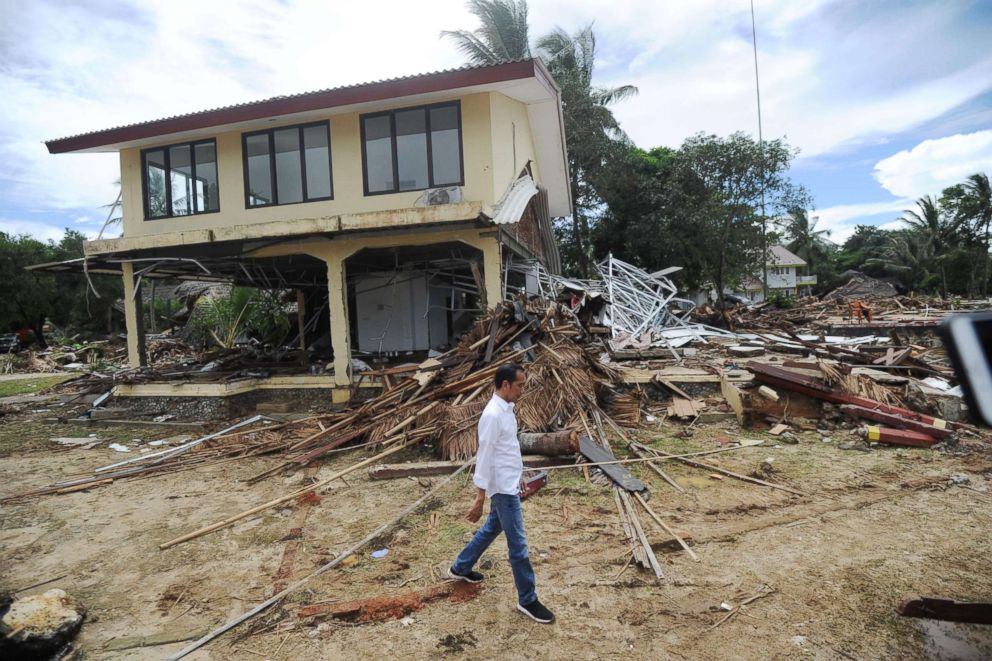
395	208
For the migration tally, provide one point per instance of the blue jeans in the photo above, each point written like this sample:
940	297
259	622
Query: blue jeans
505	516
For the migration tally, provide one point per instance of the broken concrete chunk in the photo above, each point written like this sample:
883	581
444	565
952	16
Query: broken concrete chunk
37	626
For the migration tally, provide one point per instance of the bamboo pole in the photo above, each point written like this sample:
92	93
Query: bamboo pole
282	499
664	527
738	476
330	565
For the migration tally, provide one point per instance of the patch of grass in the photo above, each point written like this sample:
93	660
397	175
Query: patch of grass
30	384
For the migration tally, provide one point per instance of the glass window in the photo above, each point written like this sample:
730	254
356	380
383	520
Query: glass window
378	154
446	152
206	194
411	149
289	168
181	180
300	159
317	159
155	197
259	170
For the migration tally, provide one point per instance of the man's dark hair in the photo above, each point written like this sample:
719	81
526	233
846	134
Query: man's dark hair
507	373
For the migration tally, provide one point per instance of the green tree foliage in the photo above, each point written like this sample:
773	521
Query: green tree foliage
592	133
243	312
30	298
867	243
501	36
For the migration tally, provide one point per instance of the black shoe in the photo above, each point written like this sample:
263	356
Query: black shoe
469	577
536	611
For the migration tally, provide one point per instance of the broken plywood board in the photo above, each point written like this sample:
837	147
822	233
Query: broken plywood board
616	472
685	408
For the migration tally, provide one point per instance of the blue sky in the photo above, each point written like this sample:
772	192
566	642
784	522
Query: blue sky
886	101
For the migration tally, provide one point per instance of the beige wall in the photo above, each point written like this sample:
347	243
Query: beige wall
346	165
512	142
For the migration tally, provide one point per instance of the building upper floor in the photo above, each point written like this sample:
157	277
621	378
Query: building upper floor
426	148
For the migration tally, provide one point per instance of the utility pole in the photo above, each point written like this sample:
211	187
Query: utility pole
761	148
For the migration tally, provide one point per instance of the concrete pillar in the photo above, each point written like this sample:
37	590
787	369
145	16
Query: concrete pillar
492	266
133	318
337	304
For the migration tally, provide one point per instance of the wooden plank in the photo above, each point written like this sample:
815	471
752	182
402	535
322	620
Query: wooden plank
616	472
429	468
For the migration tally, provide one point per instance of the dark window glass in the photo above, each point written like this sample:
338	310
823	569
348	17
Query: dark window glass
299	157
181	180
259	170
206	197
318	161
155	197
379	154
289	175
411	149
446	153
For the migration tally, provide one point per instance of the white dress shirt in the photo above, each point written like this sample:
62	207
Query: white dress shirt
498	465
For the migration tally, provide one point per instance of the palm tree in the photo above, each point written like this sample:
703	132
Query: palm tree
501	37
979	201
937	230
908	253
804	239
591	130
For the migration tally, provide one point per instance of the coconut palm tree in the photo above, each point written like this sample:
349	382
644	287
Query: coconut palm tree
591	130
502	35
937	230
804	239
909	254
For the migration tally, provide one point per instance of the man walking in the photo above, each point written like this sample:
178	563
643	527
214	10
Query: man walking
498	467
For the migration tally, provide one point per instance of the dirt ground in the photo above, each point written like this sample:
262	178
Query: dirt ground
874	528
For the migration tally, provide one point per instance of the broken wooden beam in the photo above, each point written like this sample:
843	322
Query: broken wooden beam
899	437
809	386
893	420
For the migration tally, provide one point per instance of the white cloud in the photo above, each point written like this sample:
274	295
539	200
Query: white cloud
933	165
38	230
841	219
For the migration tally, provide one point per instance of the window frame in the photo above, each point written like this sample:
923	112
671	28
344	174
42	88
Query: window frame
457	104
165	149
271	133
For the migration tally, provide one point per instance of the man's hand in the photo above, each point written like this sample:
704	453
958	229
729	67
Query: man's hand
475	512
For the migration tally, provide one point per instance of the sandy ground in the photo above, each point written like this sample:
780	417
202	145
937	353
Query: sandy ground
875	527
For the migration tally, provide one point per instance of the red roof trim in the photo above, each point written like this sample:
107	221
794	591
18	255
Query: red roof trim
341	96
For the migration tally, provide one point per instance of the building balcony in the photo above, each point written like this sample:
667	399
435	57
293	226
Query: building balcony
805	280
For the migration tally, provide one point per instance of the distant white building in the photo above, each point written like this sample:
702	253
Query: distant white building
784	277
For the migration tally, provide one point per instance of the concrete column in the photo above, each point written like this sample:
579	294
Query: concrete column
492	266
133	319
337	304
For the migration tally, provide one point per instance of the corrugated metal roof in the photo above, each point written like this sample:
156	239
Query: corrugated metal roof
55	145
512	204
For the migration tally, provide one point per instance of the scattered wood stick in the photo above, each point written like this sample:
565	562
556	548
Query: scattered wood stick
665	527
328	566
